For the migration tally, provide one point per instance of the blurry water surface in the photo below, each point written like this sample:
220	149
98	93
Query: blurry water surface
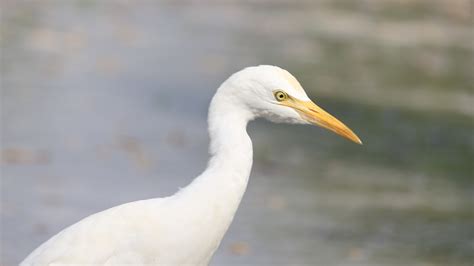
105	103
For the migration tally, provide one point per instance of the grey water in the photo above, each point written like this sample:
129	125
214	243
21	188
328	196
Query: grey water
105	103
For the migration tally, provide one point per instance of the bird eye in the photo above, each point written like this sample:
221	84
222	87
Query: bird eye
280	96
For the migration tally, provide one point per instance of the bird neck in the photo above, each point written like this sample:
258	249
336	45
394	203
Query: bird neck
219	189
230	145
230	148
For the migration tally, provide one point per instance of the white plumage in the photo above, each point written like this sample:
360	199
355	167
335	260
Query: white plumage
187	227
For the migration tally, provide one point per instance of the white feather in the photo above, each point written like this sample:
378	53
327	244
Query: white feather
186	228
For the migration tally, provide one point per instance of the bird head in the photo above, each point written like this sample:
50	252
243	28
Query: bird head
273	93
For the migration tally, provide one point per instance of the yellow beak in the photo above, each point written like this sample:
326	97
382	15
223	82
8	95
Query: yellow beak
317	116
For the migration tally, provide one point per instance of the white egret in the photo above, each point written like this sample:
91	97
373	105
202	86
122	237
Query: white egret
187	227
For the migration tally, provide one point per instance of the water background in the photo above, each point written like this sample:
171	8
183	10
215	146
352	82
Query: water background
105	103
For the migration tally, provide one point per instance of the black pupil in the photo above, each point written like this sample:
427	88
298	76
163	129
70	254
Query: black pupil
280	95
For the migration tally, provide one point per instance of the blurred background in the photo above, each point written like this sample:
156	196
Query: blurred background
105	102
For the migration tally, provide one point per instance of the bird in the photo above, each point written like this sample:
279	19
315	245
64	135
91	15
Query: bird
187	227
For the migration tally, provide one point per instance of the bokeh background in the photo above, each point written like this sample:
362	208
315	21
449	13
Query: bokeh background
105	102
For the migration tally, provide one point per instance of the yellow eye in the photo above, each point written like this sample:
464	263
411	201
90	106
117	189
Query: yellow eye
280	96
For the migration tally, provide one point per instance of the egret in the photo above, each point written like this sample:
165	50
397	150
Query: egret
187	227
